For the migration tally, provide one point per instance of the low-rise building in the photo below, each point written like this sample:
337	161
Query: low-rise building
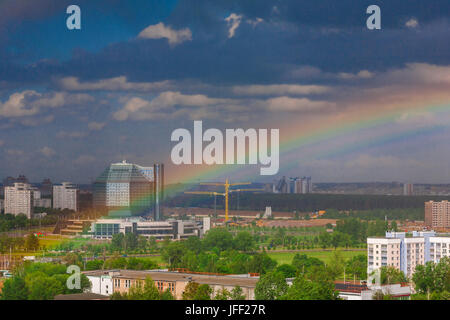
101	282
175	282
174	229
360	291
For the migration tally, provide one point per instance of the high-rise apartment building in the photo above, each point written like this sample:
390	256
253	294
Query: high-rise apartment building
19	199
408	189
293	185
65	196
405	252
437	214
128	189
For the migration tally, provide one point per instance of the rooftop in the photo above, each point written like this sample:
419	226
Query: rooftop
81	296
159	275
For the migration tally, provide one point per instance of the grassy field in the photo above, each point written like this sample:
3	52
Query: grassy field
325	256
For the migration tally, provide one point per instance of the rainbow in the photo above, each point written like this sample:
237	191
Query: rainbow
327	129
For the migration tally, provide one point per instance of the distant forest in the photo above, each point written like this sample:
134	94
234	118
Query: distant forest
304	202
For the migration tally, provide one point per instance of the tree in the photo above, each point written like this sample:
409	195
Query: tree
303	263
173	254
336	265
391	275
271	286
32	242
167	295
204	292
222	294
153	246
73	258
117	242
433	278
304	288
357	266
394	226
142	243
190	291
244	241
44	288
325	240
118	296
287	270
261	263
218	237
14	289
237	294
193	244
146	291
130	241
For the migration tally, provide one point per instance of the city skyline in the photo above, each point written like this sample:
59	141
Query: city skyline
351	104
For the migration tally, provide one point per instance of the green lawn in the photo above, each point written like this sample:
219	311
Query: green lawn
325	256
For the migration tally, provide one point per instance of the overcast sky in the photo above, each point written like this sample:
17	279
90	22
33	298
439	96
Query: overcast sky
376	102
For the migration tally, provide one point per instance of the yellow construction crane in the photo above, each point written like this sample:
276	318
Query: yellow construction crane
227	186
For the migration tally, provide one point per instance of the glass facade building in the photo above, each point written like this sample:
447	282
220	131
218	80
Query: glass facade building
128	189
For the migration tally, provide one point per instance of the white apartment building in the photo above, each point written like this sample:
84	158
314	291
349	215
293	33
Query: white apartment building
65	196
405	252
383	252
439	248
19	199
101	282
415	254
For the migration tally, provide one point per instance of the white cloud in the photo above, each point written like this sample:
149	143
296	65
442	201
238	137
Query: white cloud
233	21
161	106
96	126
279	89
170	105
160	31
422	73
412	23
47	151
30	102
294	104
112	84
16	105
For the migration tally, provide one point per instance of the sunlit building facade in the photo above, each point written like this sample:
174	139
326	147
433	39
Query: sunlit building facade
19	199
128	189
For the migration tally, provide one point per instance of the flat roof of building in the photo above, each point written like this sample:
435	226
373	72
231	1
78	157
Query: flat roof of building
81	296
225	280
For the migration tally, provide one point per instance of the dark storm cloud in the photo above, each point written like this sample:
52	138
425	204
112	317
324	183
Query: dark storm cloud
343	13
327	34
